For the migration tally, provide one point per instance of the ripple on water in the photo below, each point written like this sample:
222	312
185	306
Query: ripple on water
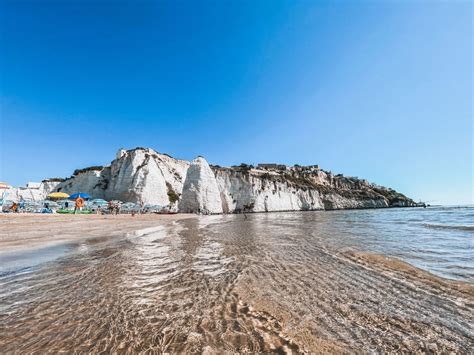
270	283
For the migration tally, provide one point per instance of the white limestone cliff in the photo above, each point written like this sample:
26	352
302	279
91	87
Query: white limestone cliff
257	192
32	192
86	181
145	176
139	175
200	191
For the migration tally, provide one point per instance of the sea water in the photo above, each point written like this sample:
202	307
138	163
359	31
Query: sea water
437	239
266	282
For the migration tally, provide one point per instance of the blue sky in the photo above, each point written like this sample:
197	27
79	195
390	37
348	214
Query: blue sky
376	89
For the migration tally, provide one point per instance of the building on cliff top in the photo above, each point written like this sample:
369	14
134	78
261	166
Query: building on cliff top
272	166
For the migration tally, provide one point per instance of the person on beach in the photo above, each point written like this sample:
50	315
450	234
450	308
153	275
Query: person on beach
110	207
46	208
14	207
114	207
22	205
79	204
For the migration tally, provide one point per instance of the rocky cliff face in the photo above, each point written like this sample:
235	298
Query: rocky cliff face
145	176
295	189
138	175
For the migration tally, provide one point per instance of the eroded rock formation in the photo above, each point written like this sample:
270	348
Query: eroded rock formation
200	191
138	175
145	176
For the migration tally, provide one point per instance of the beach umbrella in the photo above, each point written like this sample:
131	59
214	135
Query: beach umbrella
98	201
80	194
129	205
58	195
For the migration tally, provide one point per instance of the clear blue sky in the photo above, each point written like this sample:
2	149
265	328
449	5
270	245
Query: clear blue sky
375	89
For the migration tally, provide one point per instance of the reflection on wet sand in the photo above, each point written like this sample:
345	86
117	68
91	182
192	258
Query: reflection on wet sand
222	283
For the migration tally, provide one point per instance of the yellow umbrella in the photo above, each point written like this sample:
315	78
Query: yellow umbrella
58	195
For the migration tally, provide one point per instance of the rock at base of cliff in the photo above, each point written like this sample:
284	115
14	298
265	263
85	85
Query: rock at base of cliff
200	191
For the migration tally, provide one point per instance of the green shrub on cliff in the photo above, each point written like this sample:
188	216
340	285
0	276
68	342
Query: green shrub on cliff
90	168
172	195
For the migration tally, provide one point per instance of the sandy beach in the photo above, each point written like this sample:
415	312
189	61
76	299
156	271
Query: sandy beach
31	230
218	283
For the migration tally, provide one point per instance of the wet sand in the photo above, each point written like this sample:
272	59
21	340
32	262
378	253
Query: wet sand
222	283
28	230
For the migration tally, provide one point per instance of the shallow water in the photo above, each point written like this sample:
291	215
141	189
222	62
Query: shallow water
279	282
437	239
14	262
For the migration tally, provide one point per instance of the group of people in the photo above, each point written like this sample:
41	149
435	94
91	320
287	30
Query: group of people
17	207
112	207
